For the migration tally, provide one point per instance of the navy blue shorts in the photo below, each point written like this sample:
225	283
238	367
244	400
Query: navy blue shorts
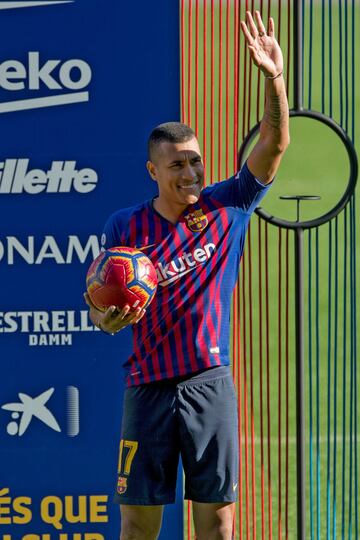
196	418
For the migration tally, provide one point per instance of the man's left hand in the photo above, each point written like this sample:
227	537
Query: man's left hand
263	47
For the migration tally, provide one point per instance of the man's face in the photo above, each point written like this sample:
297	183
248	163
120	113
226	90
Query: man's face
179	171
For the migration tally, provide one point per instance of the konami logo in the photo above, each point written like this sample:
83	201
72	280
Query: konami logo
48	249
61	177
55	75
184	264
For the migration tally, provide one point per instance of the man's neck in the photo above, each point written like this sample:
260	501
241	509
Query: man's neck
170	212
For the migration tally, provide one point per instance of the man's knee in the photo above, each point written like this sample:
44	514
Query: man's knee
135	531
214	521
140	523
216	531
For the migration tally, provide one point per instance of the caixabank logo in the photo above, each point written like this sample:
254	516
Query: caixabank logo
23	82
31	408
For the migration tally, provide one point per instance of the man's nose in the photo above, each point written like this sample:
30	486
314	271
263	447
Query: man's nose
189	172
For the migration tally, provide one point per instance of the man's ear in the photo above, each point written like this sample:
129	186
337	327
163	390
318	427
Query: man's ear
152	169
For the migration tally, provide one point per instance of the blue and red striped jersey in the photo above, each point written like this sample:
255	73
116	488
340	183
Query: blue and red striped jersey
186	327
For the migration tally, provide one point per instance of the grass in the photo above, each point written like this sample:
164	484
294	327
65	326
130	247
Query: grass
315	164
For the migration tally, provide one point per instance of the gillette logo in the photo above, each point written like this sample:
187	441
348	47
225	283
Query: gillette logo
71	77
184	264
60	177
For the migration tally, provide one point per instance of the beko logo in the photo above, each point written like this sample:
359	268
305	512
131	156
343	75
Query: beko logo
29	3
47	249
61	177
37	74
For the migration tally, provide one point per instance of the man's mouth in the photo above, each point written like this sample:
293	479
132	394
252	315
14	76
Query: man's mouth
189	186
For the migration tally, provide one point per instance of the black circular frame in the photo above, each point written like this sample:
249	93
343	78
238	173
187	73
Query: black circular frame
349	188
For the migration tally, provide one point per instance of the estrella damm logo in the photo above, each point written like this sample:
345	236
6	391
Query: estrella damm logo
196	221
122	485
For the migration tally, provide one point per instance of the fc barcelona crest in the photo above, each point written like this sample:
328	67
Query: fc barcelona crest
196	221
122	485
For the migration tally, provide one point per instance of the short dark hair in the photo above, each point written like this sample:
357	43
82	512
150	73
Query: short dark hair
174	132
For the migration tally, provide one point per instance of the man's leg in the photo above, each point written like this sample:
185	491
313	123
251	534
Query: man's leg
213	521
140	522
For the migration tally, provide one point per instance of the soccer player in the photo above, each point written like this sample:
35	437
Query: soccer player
180	398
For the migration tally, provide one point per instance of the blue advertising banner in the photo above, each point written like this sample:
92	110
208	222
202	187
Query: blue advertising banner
82	83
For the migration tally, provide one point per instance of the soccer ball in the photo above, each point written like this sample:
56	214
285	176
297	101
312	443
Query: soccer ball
120	276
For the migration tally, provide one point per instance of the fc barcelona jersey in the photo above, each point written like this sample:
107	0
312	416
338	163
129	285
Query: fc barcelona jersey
186	327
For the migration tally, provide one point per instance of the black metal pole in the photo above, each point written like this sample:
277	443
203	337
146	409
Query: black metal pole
299	336
298	56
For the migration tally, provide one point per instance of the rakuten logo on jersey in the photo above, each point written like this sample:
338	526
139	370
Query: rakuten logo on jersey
46	328
13	251
184	264
55	75
61	177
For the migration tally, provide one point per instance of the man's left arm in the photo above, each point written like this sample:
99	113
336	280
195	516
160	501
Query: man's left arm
264	159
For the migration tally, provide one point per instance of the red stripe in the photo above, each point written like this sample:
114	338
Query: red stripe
227	92
178	337
189	341
246	434
289	41
218	291
239	384
212	83
189	63
251	356
197	68
236	81
213	331
144	241
279	20
182	8
205	91
168	357
245	73
250	84
132	231
146	216
220	94
260	251
135	379
287	388
146	341
166	291
279	386
180	312
268	378
189	520
258	77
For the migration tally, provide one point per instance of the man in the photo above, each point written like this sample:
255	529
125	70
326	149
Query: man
180	397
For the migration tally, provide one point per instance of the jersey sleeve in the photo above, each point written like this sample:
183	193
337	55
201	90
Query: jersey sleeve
113	232
241	191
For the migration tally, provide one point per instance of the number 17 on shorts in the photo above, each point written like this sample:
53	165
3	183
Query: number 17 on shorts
127	453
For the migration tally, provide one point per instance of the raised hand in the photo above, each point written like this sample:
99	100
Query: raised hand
263	47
